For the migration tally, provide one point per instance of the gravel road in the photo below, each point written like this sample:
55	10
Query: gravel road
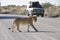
49	29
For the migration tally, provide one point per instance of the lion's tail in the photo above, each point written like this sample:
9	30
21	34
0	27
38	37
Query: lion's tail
9	28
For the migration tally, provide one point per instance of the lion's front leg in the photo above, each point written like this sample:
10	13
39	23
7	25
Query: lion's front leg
34	27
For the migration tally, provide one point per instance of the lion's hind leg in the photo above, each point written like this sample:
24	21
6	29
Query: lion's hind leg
18	28
13	27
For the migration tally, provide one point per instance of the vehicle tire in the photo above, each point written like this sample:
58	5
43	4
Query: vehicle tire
28	14
42	15
38	15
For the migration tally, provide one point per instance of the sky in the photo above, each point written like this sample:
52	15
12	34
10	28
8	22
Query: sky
25	2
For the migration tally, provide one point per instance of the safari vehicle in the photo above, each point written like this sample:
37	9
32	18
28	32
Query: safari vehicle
35	9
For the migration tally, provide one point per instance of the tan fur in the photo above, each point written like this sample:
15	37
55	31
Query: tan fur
24	21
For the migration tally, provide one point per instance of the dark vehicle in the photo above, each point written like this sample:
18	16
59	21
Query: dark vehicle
36	9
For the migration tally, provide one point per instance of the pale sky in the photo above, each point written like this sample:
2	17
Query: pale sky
24	2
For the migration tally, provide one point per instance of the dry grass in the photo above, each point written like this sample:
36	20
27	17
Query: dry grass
50	11
16	10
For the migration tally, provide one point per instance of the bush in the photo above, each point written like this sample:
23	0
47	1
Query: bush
46	5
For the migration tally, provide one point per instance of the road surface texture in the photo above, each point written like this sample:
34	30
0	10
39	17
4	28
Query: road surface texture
49	29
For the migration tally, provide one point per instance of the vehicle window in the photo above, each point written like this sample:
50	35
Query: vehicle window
36	5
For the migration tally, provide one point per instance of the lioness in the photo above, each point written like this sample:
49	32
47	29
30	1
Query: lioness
24	21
